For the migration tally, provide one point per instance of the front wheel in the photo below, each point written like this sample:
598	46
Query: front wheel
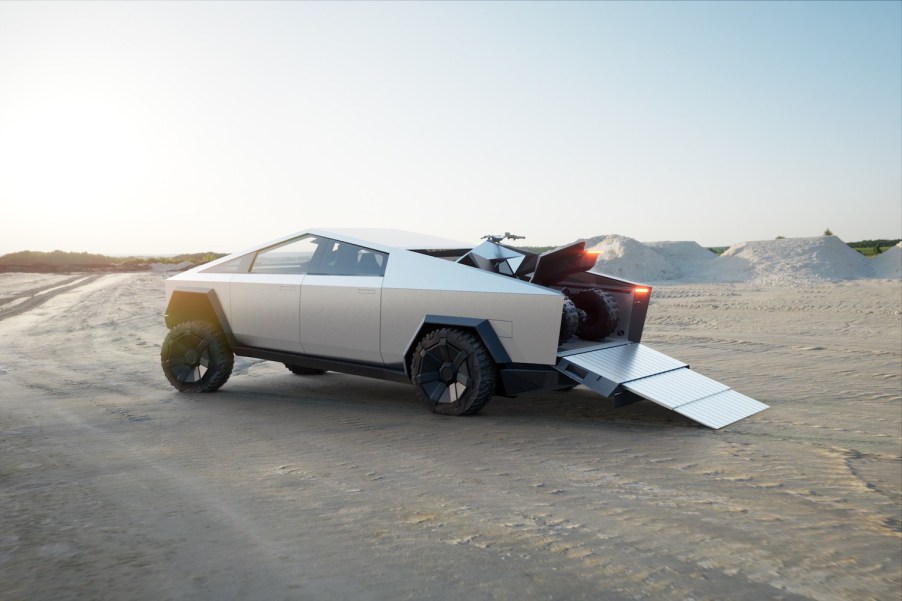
196	357
453	372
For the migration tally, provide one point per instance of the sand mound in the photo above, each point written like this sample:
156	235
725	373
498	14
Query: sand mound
628	258
888	264
686	258
786	262
789	261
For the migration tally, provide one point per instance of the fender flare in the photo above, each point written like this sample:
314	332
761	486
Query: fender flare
189	304
481	327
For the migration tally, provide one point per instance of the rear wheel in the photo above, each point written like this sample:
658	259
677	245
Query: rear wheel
196	357
453	372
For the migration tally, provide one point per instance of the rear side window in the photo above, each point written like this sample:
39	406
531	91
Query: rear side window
342	258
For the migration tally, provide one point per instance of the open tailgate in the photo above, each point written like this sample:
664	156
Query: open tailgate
613	368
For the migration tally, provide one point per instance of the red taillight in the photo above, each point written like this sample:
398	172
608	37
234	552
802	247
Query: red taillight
592	253
641	290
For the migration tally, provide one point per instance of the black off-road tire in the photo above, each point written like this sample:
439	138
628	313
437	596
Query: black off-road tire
569	321
305	371
452	372
196	357
602	313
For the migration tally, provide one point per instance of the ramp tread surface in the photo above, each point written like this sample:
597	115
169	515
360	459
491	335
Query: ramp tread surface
674	388
625	363
721	409
661	379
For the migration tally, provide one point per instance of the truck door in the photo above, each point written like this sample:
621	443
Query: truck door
266	300
341	300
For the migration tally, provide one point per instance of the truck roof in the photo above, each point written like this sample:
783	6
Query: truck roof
392	238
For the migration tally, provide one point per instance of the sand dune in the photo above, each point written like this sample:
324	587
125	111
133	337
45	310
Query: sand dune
786	262
889	263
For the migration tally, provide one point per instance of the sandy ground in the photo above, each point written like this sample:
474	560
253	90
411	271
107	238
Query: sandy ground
114	486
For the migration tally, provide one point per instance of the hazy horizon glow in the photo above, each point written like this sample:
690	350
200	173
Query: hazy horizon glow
145	128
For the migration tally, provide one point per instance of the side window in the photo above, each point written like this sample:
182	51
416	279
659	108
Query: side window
292	257
341	258
239	265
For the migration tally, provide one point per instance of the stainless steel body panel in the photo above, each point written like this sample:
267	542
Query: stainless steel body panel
526	336
340	317
412	270
265	310
218	282
526	317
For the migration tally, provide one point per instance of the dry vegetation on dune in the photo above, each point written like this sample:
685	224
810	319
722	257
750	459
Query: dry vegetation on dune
58	261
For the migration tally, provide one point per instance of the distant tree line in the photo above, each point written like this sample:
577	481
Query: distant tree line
59	258
882	243
870	248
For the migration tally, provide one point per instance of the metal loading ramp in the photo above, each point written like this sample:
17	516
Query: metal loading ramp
612	368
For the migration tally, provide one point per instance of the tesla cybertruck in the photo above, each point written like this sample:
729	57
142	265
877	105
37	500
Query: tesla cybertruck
460	323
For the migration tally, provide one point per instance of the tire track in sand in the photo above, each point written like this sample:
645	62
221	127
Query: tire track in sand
37	296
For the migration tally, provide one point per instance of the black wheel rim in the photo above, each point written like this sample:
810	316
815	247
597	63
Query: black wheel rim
444	373
189	358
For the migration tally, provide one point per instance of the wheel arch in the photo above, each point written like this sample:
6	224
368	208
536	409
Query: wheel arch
481	328
197	304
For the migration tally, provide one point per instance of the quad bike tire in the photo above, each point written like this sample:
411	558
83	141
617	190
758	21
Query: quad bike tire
602	313
453	372
196	357
569	321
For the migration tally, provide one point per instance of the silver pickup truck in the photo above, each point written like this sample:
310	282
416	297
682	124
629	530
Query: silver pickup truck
461	323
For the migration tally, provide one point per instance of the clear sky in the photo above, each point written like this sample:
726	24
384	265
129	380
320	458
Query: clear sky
169	127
